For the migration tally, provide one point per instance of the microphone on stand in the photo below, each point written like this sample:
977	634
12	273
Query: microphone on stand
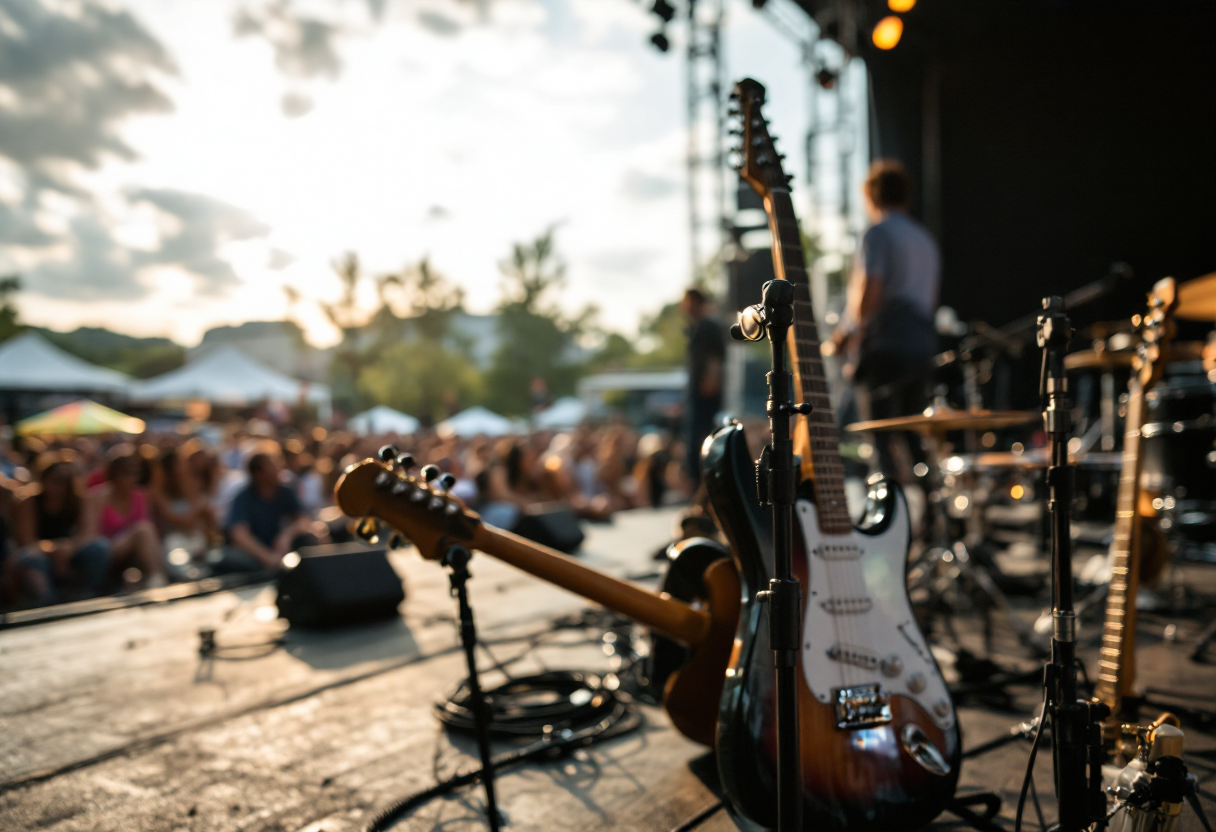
1117	273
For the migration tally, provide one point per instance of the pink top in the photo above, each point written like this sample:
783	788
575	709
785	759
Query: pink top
113	524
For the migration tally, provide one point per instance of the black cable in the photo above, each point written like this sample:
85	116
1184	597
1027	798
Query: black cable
1038	808
560	710
699	818
557	702
620	719
1034	750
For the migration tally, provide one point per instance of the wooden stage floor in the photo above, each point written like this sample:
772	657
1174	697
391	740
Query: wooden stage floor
112	721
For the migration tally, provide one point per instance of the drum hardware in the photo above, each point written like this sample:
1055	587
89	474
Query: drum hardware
943	561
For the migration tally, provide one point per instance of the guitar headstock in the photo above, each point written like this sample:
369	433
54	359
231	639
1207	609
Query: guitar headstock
1156	330
422	513
759	162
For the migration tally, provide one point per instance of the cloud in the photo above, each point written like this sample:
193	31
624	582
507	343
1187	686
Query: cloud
279	259
296	104
645	187
437	24
623	261
94	266
69	76
304	46
204	226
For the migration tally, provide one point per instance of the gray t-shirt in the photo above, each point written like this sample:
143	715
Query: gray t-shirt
900	254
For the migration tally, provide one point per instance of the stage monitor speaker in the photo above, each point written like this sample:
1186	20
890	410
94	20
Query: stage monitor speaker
551	524
339	584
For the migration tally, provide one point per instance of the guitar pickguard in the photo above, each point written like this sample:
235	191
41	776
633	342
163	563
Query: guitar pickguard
858	628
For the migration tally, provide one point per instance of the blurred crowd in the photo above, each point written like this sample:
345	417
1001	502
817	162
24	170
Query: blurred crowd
84	516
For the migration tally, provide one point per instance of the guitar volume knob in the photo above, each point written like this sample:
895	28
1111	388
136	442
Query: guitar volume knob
892	666
916	682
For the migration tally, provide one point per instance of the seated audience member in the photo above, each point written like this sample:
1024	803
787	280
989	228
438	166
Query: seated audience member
184	513
55	527
266	520
124	519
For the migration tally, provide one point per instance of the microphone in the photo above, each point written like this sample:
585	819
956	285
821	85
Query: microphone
1117	273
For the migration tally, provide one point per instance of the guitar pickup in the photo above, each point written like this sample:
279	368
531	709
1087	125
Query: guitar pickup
853	655
847	606
862	706
838	551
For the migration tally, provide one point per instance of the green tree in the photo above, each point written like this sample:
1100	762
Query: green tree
10	284
421	377
664	331
422	296
536	337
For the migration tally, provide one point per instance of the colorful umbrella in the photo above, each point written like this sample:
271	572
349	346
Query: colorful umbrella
79	418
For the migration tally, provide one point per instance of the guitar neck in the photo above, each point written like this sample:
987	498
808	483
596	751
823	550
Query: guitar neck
660	612
1116	667
816	438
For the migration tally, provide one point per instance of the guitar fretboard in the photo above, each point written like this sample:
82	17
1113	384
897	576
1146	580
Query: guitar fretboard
816	438
1116	668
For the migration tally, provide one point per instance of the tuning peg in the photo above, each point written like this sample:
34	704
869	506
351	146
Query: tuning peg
367	530
447	481
397	541
430	472
406	461
386	453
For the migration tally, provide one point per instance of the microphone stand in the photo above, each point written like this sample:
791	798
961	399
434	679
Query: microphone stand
776	485
1076	733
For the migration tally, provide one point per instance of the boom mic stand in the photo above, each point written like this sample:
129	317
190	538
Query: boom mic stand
1076	734
775	482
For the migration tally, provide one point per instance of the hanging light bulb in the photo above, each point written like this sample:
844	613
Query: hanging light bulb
901	5
888	32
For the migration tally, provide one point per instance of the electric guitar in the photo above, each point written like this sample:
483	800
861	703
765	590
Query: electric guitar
434	520
880	746
1116	663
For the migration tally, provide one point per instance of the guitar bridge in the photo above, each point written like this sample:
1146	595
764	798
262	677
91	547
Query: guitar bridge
862	706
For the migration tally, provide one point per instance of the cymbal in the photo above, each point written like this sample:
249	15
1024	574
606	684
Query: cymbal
1098	360
1197	299
945	419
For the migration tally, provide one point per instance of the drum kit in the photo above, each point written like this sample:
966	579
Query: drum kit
981	501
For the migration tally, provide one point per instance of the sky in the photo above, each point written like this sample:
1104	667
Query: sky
170	165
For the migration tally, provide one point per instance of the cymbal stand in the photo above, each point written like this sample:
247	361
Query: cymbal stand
776	483
943	554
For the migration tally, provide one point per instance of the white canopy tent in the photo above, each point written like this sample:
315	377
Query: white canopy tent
383	419
565	413
227	376
30	362
476	421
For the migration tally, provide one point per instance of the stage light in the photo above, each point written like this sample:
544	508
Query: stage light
664	10
901	5
660	41
888	32
1016	492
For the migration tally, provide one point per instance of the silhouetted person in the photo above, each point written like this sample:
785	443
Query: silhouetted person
706	353
887	332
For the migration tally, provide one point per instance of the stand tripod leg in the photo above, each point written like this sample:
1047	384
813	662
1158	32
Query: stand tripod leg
457	560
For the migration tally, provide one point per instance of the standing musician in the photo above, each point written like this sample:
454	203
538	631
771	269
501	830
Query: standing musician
887	332
706	353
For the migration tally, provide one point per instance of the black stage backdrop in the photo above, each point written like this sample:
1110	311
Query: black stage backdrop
1048	139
